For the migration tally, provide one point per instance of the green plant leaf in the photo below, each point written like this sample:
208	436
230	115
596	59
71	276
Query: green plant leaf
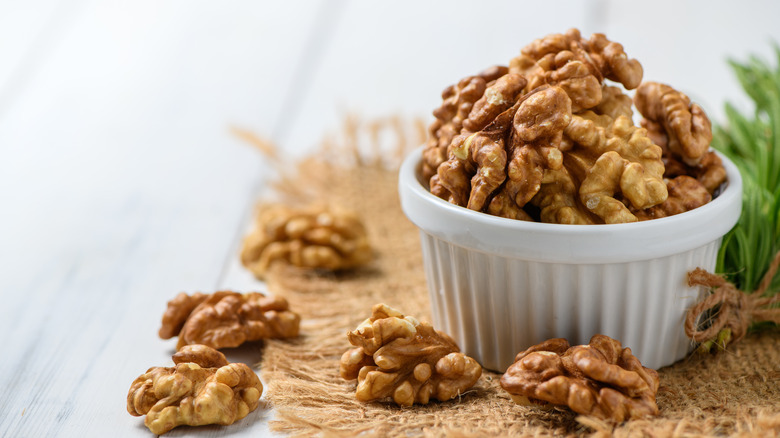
752	142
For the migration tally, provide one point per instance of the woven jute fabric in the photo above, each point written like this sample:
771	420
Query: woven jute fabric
732	393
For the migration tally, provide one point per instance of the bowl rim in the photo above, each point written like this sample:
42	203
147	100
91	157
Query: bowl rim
600	243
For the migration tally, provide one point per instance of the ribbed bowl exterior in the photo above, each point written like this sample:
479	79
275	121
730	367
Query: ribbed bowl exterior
496	306
499	286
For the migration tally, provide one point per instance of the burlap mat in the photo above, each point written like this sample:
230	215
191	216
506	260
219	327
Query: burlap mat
736	392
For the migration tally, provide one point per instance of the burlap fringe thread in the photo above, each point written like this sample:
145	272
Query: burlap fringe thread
734	309
734	394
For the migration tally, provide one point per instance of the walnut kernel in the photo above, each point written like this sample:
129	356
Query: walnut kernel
602	379
398	357
202	388
227	319
314	237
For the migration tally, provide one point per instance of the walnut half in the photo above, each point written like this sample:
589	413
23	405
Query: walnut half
312	238
397	356
203	388
227	319
600	379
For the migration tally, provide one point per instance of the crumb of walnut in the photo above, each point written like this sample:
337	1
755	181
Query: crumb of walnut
398	357
228	319
602	379
202	388
315	237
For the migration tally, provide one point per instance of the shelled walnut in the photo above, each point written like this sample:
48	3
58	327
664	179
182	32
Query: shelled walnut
313	237
687	128
547	139
227	319
615	165
457	103
398	357
202	388
602	379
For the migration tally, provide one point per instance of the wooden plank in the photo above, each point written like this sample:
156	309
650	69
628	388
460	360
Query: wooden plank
28	31
122	185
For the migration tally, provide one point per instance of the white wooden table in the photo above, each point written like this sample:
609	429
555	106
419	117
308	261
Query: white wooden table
121	185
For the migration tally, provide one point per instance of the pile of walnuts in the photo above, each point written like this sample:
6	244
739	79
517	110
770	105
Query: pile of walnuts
547	139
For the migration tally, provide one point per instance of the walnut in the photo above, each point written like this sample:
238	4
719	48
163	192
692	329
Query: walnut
498	97
538	129
202	388
559	202
503	206
600	379
614	103
685	193
562	69
577	65
227	319
399	357
476	166
617	164
709	172
547	139
687	127
457	103
480	162
612	61
314	237
551	44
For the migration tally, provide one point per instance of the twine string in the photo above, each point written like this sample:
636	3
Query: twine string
736	310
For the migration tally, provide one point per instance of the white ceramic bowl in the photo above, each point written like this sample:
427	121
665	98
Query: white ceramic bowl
500	285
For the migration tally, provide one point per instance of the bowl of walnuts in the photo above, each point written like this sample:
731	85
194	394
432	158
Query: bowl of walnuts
546	211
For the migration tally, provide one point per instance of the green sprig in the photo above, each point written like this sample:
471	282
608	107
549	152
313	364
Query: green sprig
752	142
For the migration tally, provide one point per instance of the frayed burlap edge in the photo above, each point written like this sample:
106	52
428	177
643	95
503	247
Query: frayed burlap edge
734	393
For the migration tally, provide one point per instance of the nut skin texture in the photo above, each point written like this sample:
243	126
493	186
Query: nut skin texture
178	311
614	103
398	357
476	166
313	238
612	61
617	164
457	103
687	127
202	388
228	319
579	66
538	130
601	379
685	194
